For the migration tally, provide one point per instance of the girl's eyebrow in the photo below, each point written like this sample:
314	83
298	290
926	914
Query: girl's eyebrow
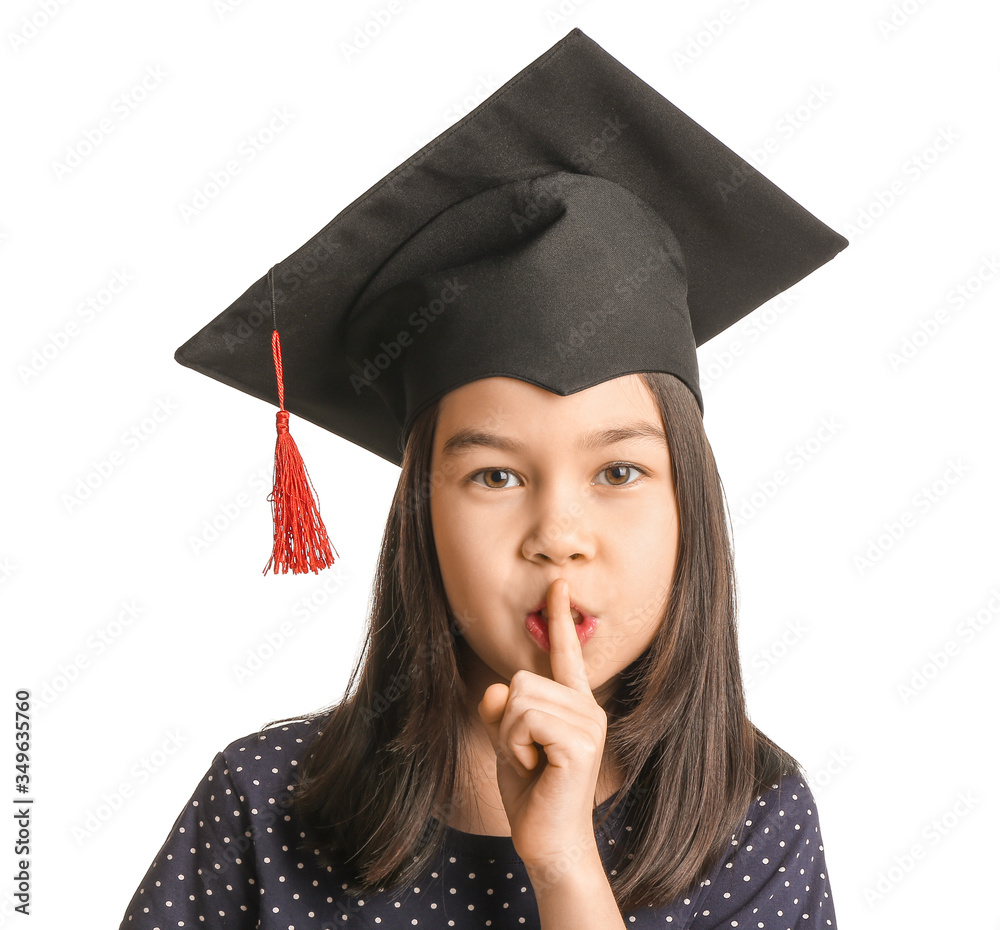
466	439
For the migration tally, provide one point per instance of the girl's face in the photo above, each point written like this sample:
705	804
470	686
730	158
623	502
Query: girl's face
529	486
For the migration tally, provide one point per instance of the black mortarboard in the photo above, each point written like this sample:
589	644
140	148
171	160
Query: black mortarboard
572	228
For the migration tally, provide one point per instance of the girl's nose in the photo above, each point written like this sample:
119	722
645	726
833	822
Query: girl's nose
559	534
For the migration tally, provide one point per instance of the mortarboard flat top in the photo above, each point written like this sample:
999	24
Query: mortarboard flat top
573	227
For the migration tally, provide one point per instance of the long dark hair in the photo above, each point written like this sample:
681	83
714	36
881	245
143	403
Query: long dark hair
378	781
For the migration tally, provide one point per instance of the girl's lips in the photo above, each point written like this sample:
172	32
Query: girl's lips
538	627
584	614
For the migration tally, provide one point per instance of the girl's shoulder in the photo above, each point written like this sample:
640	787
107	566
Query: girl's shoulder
790	793
274	749
236	834
775	868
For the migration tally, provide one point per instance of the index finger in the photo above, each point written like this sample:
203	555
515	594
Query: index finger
565	650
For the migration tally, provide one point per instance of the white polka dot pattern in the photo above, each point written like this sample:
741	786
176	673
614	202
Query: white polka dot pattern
232	861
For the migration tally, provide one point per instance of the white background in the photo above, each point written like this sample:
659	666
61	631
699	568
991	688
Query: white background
883	123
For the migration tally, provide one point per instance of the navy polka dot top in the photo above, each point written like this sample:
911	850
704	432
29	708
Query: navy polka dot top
232	861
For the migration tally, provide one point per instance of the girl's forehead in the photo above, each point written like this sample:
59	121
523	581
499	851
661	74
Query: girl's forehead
505	399
514	416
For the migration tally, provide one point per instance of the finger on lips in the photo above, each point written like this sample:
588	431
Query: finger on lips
568	669
566	653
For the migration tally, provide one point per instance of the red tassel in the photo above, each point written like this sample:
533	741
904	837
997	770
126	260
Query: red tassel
300	540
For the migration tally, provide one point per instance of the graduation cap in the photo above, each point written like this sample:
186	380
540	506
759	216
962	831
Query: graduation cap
572	228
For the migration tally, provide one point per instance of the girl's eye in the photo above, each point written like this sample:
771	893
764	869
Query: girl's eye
496	478
619	473
494	474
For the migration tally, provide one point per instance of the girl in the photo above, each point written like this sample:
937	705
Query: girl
547	727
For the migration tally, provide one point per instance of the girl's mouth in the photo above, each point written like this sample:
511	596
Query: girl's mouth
579	613
537	624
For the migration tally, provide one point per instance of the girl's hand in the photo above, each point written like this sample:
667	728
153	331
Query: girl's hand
548	793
